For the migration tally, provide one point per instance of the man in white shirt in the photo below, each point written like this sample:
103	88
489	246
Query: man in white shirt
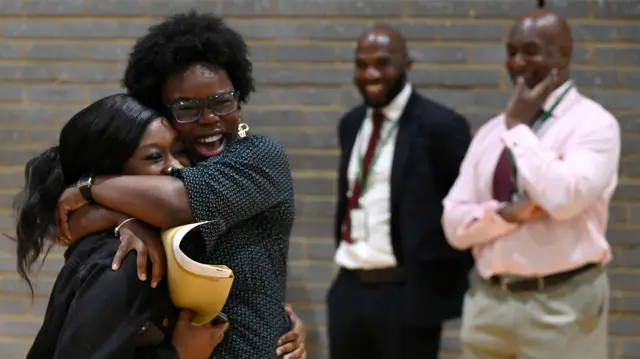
400	154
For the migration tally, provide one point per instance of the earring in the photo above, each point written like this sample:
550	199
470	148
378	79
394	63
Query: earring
243	128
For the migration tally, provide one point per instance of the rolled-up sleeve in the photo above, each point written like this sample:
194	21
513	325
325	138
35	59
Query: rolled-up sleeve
564	184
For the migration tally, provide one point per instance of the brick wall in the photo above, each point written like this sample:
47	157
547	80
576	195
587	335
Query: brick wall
58	55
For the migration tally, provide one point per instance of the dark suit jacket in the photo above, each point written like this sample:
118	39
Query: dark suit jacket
431	144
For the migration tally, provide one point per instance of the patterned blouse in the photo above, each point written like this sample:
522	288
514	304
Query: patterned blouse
247	195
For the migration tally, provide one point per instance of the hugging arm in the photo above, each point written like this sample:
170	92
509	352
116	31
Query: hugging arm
247	178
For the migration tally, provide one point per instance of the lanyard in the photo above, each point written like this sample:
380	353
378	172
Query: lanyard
362	177
539	122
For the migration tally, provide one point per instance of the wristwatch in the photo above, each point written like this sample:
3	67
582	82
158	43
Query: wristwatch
84	186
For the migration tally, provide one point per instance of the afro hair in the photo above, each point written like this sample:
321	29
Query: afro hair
173	45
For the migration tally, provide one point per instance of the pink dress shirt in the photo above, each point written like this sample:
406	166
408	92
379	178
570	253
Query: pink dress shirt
569	168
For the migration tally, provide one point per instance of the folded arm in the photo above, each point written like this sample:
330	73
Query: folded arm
467	220
564	185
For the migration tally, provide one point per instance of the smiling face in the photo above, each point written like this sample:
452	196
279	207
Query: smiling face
381	67
537	44
159	151
204	95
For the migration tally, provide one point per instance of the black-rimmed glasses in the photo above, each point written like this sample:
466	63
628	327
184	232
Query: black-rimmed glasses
190	110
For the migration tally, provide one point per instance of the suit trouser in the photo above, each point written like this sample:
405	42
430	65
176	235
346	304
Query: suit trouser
568	321
366	321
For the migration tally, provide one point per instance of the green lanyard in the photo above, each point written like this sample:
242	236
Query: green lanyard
539	122
362	177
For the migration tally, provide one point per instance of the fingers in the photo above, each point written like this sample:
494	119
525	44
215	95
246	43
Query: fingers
287	348
63	224
296	354
185	315
546	86
158	268
121	253
288	337
142	263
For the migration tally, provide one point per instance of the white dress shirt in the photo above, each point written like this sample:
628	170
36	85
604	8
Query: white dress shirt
375	250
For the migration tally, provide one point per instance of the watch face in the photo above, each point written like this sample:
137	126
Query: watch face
84	182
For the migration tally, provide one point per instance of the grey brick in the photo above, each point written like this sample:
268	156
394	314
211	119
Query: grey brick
627	191
337	29
121	7
13	306
622	236
304	161
244	7
14	347
10	50
10	7
314	53
45	137
487	54
75	28
618	213
455	77
269	29
440	8
630	349
260	52
630	303
108	51
31	116
316	315
313	186
54	94
630	79
315	228
40	72
12	137
315	8
54	7
617	100
20	327
260	117
416	30
306	293
439	54
617	8
321	249
297	250
628	56
55	51
310	272
11	179
317	208
596	78
319	75
10	93
624	281
303	139
98	92
317	338
481	31
367	8
570	8
623	325
311	96
603	31
90	73
503	8
453	99
42	286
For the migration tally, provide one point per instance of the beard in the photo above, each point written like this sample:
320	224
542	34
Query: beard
397	87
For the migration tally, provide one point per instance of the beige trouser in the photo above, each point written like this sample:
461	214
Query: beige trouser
568	321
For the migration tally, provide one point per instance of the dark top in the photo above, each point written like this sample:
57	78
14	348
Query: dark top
247	194
97	313
431	144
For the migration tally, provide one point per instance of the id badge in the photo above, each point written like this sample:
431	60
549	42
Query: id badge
358	222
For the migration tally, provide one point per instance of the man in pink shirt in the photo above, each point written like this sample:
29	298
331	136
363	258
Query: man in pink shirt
531	201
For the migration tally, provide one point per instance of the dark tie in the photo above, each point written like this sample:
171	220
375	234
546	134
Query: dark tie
502	178
352	203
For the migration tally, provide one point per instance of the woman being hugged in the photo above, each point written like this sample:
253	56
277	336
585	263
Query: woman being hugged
196	70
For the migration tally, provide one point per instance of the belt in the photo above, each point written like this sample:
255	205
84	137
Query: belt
539	283
374	276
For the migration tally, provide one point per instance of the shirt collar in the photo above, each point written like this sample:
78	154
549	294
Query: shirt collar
566	102
395	108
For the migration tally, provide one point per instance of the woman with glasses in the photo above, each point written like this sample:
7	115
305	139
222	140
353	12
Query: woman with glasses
196	71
